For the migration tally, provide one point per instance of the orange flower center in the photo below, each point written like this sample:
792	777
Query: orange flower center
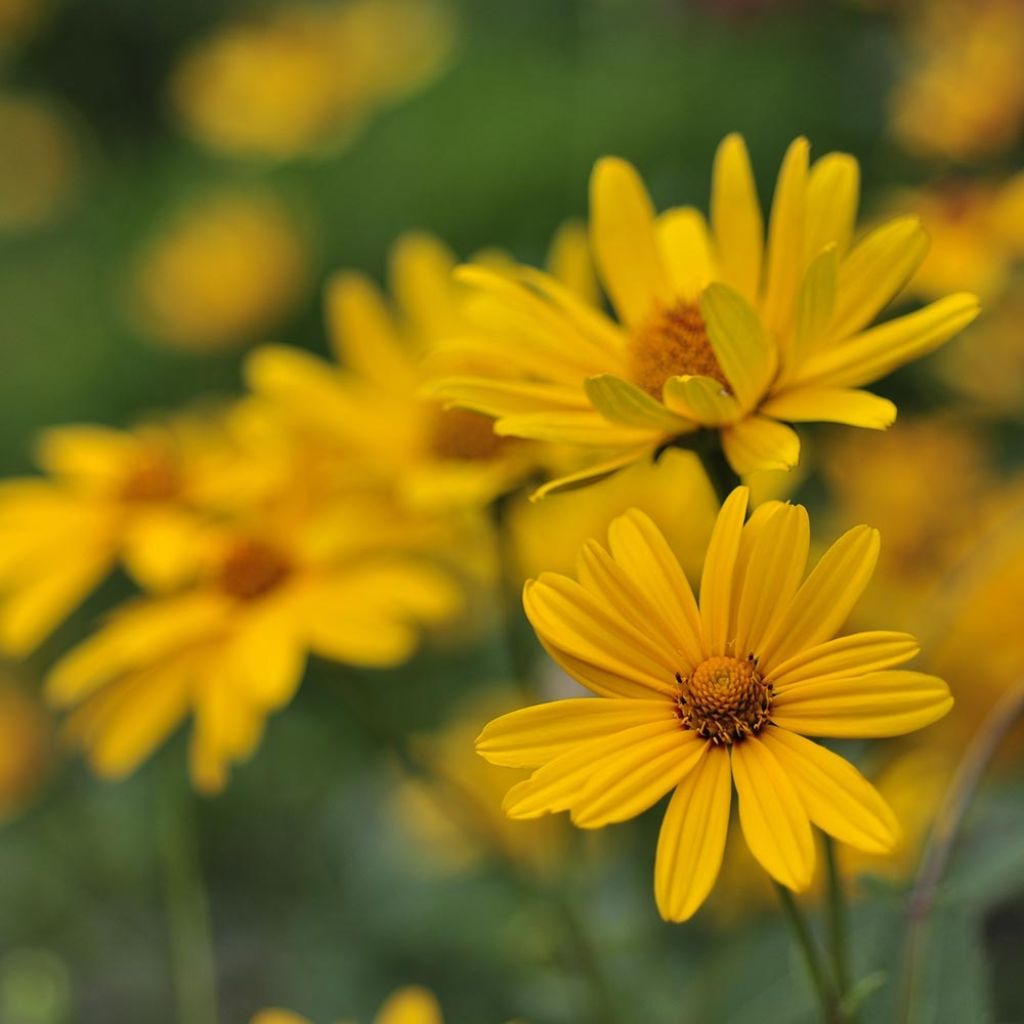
460	434
252	569
672	342
152	476
724	700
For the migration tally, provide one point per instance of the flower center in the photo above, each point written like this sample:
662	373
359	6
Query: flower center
252	569
460	434
672	342
724	699
152	476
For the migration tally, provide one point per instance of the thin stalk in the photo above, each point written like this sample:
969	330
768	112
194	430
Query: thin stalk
188	914
822	985
939	847
838	925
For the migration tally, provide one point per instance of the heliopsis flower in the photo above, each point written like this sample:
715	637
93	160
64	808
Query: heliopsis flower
229	648
228	269
304	76
963	94
409	1005
371	401
697	698
717	328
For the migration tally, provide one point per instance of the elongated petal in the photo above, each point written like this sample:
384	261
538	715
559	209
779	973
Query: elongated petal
266	658
623	238
685	250
622	402
772	816
507	397
421	279
410	1005
637	779
535	735
716	584
815	306
837	798
833	190
832	405
575	427
741	345
736	220
856	654
772	575
826	598
645	556
592	473
692	837
853	707
759	442
570	263
702	400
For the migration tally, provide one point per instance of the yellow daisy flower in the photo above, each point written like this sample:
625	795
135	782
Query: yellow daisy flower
697	698
231	647
717	327
409	1005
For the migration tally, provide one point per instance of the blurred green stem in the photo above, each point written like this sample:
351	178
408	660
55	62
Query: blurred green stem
188	915
976	758
837	926
823	989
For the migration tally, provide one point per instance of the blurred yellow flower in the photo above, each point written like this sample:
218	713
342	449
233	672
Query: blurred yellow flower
39	162
26	752
304	76
717	329
231	647
227	270
963	96
694	699
977	235
409	1005
455	812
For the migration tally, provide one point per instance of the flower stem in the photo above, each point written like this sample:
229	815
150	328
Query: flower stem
837	925
188	914
976	758
823	989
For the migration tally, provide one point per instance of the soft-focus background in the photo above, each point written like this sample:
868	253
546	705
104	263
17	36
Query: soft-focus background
170	195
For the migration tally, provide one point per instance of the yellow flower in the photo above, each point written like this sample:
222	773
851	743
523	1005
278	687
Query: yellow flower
371	402
409	1005
228	269
695	698
963	96
717	328
231	647
977	235
305	75
26	754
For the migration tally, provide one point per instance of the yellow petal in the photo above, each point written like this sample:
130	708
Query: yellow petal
692	838
623	238
716	584
736	218
887	703
265	657
826	598
837	798
570	263
85	453
815	305
758	443
535	735
772	575
784	263
685	250
421	280
832	405
506	397
163	548
856	654
598	679
833	188
741	345
410	1005
876	270
583	428
645	556
638	778
593	472
273	1015
701	400
622	402
772	816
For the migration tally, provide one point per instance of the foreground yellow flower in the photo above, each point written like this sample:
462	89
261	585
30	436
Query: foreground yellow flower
717	328
231	647
409	1005
696	698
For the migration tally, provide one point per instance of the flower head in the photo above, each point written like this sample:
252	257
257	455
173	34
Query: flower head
696	698
722	327
410	1005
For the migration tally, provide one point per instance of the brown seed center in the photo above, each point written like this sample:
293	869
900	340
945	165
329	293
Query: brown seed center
251	569
724	699
469	436
152	476
672	342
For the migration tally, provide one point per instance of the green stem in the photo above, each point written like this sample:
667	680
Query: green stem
188	915
837	924
823	990
939	847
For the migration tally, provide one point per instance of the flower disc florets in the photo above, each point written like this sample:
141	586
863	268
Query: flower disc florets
672	342
724	700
